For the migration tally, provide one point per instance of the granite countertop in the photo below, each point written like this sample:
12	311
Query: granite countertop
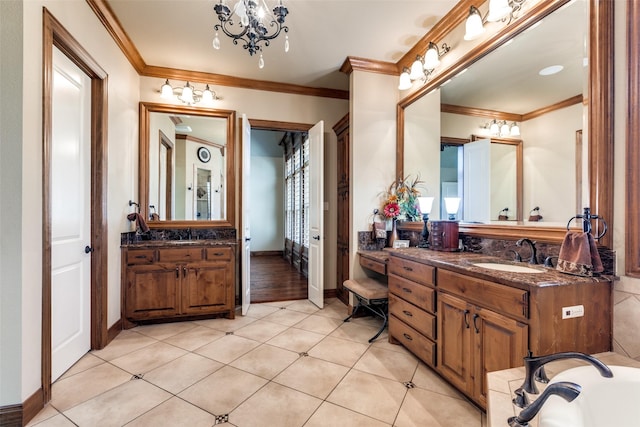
503	384
462	262
179	243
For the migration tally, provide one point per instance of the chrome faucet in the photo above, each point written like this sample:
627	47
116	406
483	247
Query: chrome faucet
534	255
567	390
535	367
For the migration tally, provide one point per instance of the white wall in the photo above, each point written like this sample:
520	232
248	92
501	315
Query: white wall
372	135
267	191
21	347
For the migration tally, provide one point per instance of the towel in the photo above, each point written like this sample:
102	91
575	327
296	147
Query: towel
579	255
140	222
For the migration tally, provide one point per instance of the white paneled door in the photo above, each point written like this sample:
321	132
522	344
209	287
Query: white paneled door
246	214
70	215
316	214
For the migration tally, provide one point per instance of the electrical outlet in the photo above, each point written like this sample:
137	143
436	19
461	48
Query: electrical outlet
573	311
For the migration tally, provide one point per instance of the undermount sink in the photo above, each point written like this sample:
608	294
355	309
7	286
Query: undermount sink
511	268
602	402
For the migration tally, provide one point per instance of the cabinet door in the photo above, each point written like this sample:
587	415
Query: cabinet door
152	291
499	343
206	288
454	340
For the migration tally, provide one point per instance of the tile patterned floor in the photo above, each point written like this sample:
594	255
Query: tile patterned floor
285	364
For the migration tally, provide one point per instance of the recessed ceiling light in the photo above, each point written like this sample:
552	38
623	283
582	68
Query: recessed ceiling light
554	69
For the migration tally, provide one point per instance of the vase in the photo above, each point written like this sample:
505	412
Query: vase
394	233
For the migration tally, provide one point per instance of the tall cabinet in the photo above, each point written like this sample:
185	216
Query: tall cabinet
342	265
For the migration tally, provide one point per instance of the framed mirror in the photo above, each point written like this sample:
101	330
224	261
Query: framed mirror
460	102
186	166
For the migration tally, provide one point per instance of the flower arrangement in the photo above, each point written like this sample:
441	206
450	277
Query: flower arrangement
401	198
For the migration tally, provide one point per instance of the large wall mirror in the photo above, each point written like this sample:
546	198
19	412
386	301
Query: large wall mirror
187	166
564	148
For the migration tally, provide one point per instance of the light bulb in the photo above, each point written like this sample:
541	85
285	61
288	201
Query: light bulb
261	62
498	10
417	71
187	94
473	26
216	42
515	129
207	96
494	129
431	57
504	130
166	91
405	80
286	43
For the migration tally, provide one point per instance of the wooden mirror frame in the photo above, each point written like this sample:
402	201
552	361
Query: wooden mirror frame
600	117
143	164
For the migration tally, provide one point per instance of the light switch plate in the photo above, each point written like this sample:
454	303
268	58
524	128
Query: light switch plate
573	311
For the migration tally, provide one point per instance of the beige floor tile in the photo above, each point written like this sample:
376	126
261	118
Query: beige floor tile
286	317
86	362
223	390
355	332
303	306
383	342
336	311
261	330
422	408
368	394
148	358
389	364
55	421
182	372
260	310
297	340
126	342
312	376
266	408
174	412
266	361
319	324
227	348
163	331
86	385
47	412
278	304
338	350
329	414
118	406
226	325
195	338
425	378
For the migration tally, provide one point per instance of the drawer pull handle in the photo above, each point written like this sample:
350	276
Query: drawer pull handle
218	254
140	256
407	336
177	271
406	290
466	319
475	325
408	268
407	313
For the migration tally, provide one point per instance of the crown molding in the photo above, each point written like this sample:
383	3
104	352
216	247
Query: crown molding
114	28
370	65
480	112
578	99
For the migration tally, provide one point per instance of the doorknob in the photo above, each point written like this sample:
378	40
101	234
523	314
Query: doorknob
88	249
246	239
316	237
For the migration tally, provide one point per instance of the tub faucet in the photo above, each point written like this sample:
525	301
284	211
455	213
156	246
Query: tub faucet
532	245
534	367
567	390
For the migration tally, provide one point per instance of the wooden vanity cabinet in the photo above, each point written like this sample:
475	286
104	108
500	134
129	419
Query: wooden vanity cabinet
169	283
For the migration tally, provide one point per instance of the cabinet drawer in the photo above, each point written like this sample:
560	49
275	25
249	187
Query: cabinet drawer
180	254
142	256
373	265
502	298
419	345
422	321
412	270
421	296
221	253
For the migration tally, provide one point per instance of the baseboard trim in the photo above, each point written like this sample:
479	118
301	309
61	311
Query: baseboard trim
114	330
267	253
331	293
20	415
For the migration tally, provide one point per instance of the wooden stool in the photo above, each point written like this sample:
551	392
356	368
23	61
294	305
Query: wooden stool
372	295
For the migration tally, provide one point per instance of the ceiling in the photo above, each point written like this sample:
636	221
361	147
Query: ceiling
322	33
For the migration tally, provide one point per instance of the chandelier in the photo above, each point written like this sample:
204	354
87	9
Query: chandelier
250	22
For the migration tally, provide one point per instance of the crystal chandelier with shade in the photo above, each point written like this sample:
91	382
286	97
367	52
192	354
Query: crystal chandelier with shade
250	22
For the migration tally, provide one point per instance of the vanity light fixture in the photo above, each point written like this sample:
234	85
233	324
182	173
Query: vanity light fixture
423	67
188	94
501	128
249	22
499	10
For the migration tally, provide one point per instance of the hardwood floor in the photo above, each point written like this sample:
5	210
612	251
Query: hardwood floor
274	279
